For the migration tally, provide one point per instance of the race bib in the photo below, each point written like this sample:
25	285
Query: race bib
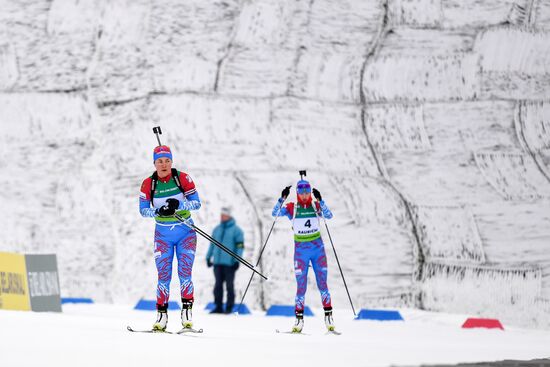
306	226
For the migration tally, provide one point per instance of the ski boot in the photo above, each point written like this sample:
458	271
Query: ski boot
186	313
162	318
299	323
329	322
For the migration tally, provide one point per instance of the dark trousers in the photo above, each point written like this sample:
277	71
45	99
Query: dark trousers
224	273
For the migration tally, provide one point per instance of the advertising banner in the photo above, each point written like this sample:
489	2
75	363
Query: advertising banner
14	290
43	282
29	282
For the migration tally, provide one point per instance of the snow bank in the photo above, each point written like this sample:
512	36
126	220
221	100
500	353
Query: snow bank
346	22
332	49
72	16
457	13
8	67
260	72
406	41
274	23
447	172
186	42
416	13
542	15
432	78
475	13
125	22
328	75
534	123
56	61
448	233
397	127
215	133
509	294
514	63
514	50
514	175
437	177
443	172
318	135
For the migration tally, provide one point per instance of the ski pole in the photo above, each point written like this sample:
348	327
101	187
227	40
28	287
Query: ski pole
339	267
259	257
220	245
158	132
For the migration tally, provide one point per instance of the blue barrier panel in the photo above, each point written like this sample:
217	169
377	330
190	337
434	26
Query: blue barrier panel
148	305
244	309
380	315
76	300
286	310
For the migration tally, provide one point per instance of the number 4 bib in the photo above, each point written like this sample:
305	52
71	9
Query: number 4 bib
305	224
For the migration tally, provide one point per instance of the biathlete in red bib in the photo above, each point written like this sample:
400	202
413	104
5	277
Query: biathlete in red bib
308	246
163	194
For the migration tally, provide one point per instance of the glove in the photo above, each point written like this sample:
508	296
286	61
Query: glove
209	263
173	203
235	266
285	192
317	194
165	211
169	208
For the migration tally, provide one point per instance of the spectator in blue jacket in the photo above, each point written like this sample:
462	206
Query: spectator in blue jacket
225	266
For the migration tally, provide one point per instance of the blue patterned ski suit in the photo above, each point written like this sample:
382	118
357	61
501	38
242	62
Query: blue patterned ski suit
308	247
172	236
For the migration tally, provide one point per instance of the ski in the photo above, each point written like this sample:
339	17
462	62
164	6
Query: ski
289	332
189	330
151	331
330	332
182	331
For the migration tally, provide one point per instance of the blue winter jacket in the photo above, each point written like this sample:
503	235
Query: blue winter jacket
232	237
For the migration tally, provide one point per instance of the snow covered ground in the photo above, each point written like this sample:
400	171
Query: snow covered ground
96	335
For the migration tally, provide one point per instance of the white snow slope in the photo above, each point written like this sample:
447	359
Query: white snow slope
92	335
424	124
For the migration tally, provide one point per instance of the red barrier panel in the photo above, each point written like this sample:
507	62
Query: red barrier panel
486	323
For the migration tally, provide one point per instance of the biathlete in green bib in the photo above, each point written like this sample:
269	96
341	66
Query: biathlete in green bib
308	246
166	192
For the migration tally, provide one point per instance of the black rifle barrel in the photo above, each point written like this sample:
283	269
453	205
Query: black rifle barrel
157	132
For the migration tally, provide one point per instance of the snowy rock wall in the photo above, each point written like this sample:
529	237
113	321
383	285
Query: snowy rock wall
424	124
